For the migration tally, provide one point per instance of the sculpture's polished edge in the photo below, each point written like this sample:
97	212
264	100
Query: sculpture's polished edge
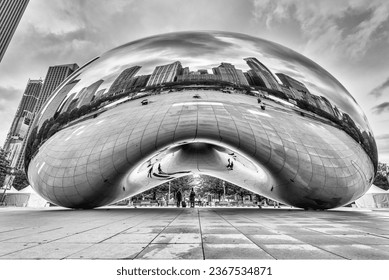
227	105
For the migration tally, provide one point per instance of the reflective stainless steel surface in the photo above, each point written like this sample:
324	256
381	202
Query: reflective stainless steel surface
232	106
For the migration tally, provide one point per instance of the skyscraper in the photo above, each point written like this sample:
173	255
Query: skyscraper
54	77
11	12
263	73
22	120
25	109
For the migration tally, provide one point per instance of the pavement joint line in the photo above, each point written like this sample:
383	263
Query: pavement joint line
321	249
47	242
201	233
93	244
12	230
49	230
245	234
158	234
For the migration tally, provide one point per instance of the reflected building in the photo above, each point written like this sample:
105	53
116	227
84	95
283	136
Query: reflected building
100	93
54	77
165	74
315	151
253	79
123	80
87	94
299	90
228	73
199	76
66	97
262	73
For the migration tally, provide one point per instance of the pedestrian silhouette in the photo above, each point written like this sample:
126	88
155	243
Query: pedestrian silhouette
192	197
178	198
150	171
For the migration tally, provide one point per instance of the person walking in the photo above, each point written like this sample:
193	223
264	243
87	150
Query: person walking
178	198
192	198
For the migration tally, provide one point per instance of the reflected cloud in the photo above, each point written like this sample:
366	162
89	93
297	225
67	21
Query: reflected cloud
214	90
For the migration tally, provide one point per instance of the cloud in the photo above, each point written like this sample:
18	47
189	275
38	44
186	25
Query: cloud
383	147
382	137
335	28
381	108
378	91
9	101
8	96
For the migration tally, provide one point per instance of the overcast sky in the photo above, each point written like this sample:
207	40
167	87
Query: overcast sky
349	38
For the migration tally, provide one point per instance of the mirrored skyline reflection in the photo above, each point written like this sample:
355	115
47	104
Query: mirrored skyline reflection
200	92
205	51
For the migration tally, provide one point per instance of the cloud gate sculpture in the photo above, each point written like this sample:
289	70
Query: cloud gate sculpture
228	105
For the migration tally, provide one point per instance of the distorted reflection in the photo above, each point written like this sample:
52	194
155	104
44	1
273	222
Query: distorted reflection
229	63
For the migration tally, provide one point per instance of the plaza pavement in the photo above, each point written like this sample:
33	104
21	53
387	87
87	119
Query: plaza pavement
200	233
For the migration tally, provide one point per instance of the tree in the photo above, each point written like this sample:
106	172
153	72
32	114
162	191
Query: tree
62	118
183	183
4	166
53	130
381	179
214	186
20	181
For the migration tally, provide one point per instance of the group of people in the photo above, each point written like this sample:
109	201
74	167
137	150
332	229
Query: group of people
182	203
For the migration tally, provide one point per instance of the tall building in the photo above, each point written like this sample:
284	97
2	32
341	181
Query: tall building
263	73
165	74
54	77
122	80
229	73
11	12
22	121
24	112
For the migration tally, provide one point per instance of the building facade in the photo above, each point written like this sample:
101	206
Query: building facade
228	73
22	120
263	73
55	76
11	12
121	82
165	74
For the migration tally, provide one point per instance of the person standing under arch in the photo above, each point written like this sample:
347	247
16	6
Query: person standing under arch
192	197
178	198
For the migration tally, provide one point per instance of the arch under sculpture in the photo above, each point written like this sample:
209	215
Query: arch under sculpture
228	105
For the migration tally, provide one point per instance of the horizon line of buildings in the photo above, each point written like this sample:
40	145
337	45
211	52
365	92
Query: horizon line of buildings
35	95
37	92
